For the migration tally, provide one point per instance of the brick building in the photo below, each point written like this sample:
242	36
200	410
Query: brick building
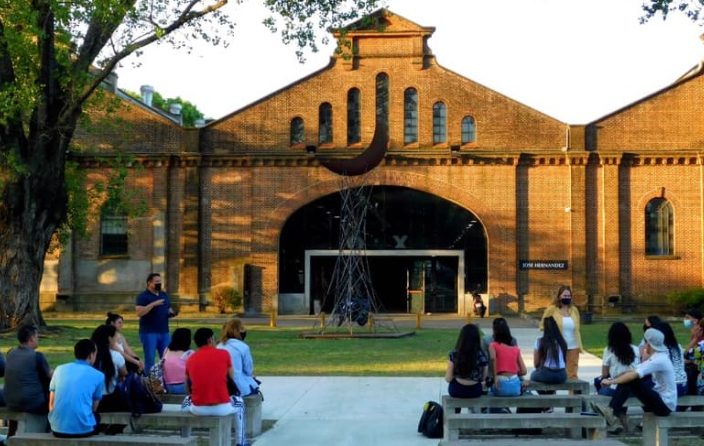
476	192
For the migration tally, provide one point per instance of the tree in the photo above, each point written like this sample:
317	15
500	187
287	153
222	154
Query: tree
53	57
691	8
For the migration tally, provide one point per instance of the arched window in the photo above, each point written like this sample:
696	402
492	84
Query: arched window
298	135
410	116
354	116
113	233
469	130
439	123
325	123
382	100
659	228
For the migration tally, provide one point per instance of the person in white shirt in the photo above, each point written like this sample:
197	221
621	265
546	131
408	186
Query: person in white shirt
661	399
619	357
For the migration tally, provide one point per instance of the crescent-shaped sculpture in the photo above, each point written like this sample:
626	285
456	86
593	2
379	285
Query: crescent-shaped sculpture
365	161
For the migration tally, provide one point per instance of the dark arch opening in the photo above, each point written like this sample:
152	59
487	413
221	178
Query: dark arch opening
399	219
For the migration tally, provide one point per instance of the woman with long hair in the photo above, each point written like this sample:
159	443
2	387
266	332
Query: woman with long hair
676	354
649	322
120	344
112	364
506	361
232	340
566	315
549	355
467	365
175	357
620	356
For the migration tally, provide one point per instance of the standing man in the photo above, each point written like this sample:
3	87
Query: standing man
75	392
154	310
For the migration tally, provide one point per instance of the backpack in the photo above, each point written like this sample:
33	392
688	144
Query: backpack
139	396
156	378
430	423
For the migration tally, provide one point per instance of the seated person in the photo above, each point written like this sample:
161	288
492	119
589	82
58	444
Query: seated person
27	376
120	344
661	399
112	364
506	361
207	371
549	355
232	341
619	357
175	357
75	392
467	366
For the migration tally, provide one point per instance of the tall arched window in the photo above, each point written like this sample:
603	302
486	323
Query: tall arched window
469	130
382	100
659	228
354	116
410	116
298	135
325	123
439	123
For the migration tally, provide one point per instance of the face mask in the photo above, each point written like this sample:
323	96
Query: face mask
687	323
157	287
243	334
566	301
645	327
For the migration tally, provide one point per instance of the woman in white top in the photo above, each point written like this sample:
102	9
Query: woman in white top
112	364
120	344
676	354
620	356
567	317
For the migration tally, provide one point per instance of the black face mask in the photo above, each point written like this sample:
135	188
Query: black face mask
157	287
566	301
243	334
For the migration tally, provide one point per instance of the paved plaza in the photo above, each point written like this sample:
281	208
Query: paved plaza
374	410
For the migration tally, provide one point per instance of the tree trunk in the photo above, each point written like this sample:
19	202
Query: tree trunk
22	252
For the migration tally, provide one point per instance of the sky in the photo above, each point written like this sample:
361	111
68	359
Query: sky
574	60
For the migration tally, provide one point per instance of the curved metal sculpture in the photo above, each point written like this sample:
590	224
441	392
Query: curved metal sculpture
365	161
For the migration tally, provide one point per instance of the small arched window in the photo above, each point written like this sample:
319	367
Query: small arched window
354	116
659	228
410	116
325	123
439	123
298	135
382	100
469	130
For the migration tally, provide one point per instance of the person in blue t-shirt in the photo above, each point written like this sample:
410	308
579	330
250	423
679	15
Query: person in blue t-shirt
153	308
74	393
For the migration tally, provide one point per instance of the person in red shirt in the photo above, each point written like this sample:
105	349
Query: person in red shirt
207	371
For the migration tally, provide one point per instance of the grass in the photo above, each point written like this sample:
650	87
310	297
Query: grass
282	352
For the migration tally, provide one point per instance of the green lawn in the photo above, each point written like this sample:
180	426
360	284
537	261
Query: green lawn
281	351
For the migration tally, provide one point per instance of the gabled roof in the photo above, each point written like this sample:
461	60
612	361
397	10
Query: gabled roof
383	20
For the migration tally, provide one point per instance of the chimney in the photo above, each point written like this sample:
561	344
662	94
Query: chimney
110	82
175	112
147	94
199	123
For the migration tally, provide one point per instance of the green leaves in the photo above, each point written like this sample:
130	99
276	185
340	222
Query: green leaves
690	8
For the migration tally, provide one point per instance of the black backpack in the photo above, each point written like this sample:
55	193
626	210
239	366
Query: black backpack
430	423
139	395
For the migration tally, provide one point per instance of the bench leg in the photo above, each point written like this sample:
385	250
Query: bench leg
652	434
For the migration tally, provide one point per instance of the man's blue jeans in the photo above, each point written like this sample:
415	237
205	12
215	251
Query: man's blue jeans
153	343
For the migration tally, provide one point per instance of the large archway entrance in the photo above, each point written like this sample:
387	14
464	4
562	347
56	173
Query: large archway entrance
424	253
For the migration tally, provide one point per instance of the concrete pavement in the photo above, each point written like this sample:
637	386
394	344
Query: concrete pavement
373	410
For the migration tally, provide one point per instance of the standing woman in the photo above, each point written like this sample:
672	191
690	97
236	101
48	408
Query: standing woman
567	317
467	366
121	346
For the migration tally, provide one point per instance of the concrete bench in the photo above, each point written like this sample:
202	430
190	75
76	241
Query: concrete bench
577	386
42	439
252	409
570	403
219	428
595	425
635	418
656	429
26	422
